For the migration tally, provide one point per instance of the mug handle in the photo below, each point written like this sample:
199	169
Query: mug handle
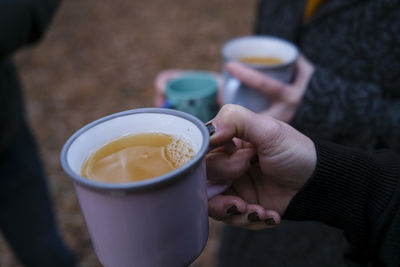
231	90
214	189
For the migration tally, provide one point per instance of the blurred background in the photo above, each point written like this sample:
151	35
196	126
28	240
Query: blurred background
101	57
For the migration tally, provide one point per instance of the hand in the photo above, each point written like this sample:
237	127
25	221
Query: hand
163	77
286	159
284	98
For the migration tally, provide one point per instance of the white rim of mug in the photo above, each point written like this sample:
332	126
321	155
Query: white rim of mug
261	37
139	185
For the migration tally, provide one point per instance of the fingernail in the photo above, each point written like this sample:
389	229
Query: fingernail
253	217
270	221
254	159
211	128
233	211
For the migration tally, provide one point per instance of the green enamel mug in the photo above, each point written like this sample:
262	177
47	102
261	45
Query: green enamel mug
194	93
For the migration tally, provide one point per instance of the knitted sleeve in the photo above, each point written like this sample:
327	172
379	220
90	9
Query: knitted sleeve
353	113
359	193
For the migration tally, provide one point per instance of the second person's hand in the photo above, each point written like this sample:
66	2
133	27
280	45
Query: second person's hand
284	98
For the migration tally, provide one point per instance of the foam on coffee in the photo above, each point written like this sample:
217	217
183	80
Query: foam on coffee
178	152
137	157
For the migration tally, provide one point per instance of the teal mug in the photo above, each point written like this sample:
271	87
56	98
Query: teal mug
194	93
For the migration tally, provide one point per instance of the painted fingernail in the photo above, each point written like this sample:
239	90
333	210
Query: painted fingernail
253	217
270	221
211	128
233	211
254	159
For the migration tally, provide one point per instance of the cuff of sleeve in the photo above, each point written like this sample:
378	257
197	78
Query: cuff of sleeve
349	189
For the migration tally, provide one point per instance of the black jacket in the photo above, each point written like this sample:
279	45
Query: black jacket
21	23
353	97
359	193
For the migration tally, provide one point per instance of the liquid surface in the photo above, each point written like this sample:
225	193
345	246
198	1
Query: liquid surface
137	157
261	60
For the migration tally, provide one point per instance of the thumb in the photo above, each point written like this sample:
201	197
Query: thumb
237	121
304	71
256	80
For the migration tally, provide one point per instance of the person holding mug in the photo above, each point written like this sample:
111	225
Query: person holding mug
343	91
304	178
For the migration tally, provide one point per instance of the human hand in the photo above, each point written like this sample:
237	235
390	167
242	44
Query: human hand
260	190
161	81
163	77
284	98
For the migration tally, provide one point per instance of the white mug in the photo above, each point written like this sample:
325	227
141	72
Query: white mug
159	222
257	46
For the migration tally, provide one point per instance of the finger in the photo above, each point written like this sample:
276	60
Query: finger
304	70
280	112
228	148
256	218
221	165
161	81
292	94
261	82
263	132
222	207
220	93
159	99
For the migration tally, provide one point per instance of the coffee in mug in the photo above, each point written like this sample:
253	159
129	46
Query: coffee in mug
137	157
262	61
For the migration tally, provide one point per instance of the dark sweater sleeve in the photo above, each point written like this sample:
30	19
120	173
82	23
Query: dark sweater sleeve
358	192
353	113
23	22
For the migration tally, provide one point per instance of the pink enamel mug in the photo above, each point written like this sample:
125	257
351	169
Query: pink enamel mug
162	221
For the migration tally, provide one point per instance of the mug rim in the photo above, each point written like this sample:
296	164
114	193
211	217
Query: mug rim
210	89
261	37
137	185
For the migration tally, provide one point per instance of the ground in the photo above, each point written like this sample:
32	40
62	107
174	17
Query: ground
101	57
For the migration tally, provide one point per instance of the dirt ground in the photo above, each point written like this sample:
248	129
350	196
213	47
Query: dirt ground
100	57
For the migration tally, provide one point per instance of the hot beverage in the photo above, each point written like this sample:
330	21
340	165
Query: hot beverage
137	157
265	61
